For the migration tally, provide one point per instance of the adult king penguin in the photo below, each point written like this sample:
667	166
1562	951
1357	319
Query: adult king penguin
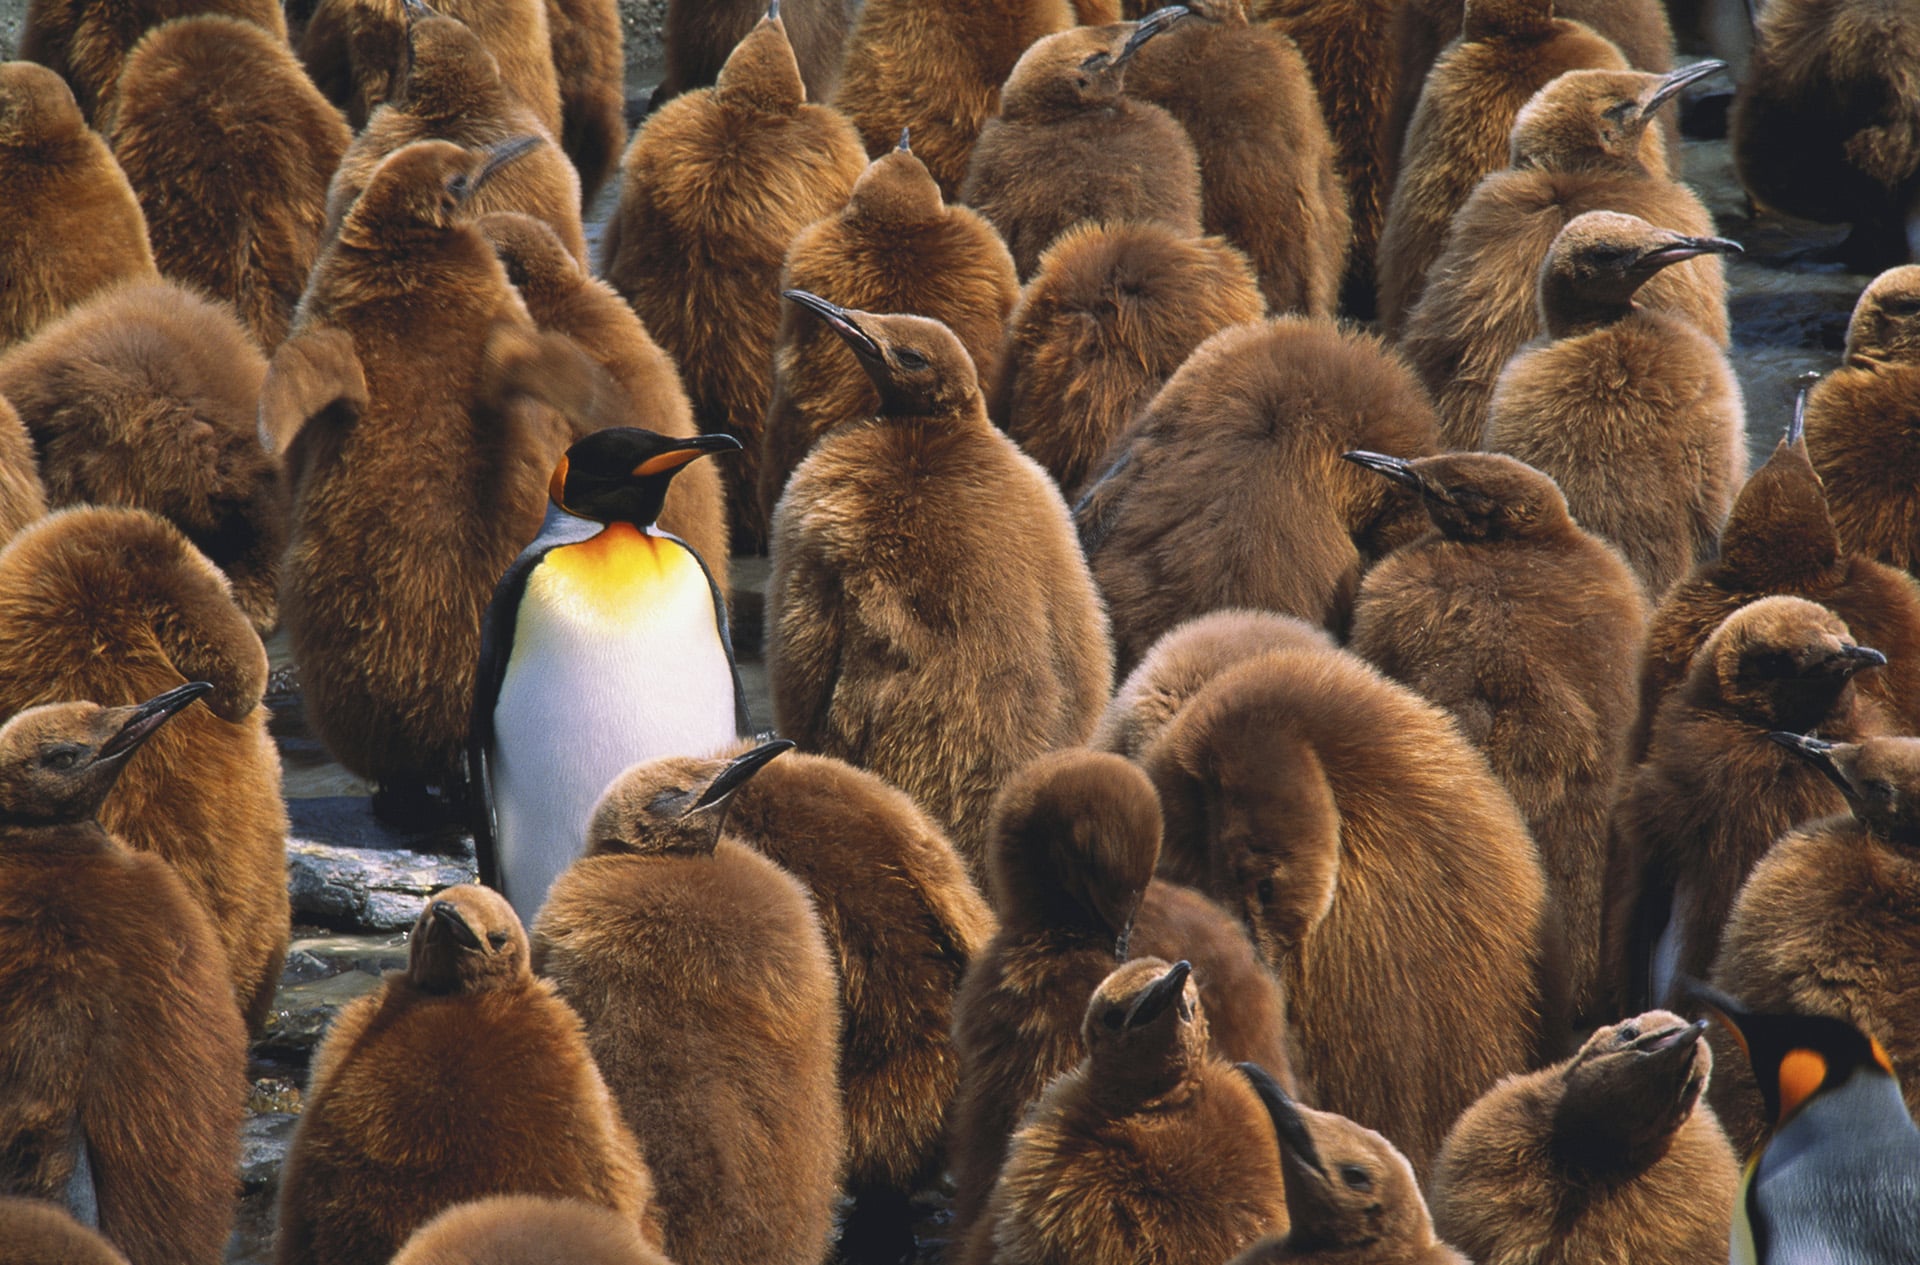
608	631
1839	1176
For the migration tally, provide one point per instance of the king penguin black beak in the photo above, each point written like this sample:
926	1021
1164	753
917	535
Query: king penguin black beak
500	157
840	322
685	451
147	717
1156	23
1816	752
1671	84
738	771
1158	997
1684	248
1288	1126
1399	470
448	917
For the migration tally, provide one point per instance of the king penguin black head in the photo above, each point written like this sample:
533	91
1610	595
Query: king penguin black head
620	475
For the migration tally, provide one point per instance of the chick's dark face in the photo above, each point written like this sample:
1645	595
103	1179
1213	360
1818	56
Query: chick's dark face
467	939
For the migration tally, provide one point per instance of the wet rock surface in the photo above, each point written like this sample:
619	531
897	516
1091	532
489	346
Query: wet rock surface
357	883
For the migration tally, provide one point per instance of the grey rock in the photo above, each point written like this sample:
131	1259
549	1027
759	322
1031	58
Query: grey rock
302	1013
368	889
263	1148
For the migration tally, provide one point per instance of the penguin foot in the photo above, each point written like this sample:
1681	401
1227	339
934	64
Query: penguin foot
878	1229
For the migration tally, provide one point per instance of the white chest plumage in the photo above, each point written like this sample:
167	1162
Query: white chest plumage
616	660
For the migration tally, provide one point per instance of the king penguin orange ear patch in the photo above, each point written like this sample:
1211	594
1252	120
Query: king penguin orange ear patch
1802	1072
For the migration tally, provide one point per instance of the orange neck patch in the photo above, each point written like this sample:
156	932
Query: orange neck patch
618	569
1802	1072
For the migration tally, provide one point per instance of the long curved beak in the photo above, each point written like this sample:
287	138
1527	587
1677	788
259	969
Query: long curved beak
1156	23
1802	388
1288	1125
840	321
1683	248
1158	997
691	449
1671	84
499	158
738	771
1817	752
147	717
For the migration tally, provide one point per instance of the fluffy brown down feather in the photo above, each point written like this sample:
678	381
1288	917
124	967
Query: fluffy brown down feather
713	191
86	42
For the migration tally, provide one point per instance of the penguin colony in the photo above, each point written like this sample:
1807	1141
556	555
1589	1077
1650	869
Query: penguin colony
1240	784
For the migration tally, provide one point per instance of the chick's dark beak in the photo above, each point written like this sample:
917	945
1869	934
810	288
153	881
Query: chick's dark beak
1815	752
1683	248
500	157
1158	997
841	322
1288	1126
448	918
1671	85
1156	23
1398	469
147	718
737	772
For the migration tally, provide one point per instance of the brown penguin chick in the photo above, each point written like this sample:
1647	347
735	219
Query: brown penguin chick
1075	836
591	69
1861	419
1282	524
38	1232
462	1077
929	615
1351	1195
701	33
1113	310
1348	47
1582	144
1459	130
707	989
895	247
416	475
1387	879
216	85
1153	1148
1245	97
713	191
126	1061
935	67
902	920
1828	923
114	604
86	42
1826	125
1634	413
1182	662
529	1230
1609	1155
1713	792
1069	145
1640	29
453	92
146	396
1520	624
73	226
22	498
562	297
1780	539
356	51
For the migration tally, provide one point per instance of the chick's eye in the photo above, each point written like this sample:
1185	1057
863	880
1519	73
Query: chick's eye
1355	1177
1113	1020
910	359
1264	890
498	939
61	760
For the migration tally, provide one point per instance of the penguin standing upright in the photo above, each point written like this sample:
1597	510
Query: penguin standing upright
605	630
1839	1177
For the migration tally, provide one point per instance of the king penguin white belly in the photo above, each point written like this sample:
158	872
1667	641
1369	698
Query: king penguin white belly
617	659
